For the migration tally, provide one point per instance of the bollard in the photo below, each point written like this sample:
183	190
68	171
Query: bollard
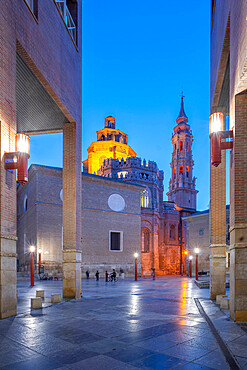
40	293
55	298
36	303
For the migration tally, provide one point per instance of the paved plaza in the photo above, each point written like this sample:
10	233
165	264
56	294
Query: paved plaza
124	325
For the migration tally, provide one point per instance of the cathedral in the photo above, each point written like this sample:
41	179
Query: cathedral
162	230
123	210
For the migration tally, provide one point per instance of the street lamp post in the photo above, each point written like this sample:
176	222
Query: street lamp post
196	252
32	250
39	252
136	255
190	258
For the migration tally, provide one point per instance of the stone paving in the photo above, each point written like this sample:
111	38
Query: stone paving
124	325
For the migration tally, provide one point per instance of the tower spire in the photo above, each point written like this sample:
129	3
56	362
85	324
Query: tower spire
182	116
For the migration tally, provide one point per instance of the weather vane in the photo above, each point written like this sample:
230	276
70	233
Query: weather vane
182	94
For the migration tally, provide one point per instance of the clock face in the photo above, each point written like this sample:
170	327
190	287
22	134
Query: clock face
116	202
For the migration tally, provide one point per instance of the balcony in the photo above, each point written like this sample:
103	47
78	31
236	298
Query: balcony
67	17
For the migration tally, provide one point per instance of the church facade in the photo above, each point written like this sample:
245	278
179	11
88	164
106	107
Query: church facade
163	236
145	224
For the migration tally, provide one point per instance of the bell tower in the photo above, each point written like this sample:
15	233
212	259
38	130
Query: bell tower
182	183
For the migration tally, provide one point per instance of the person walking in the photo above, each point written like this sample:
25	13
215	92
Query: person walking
87	274
153	273
97	275
106	276
113	275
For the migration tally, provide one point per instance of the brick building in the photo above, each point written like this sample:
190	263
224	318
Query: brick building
40	74
228	90
110	218
148	224
198	236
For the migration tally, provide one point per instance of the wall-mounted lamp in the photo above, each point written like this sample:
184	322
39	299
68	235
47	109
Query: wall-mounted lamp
216	134
18	160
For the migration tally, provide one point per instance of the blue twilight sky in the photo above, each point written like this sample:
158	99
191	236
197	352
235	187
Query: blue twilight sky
138	55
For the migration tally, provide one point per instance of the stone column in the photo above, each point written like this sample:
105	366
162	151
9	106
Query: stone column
238	213
71	210
218	226
8	234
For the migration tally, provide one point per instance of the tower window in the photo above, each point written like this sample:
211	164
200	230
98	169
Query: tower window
175	171
187	171
175	147
181	169
181	146
172	232
187	146
145	199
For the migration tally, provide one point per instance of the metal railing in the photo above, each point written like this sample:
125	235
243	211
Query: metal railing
70	24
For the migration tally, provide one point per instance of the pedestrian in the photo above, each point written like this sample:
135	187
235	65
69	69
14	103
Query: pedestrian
153	273
87	274
106	276
113	275
97	275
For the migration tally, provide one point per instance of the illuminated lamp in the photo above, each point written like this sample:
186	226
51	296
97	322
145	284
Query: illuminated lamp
185	252
216	134
18	160
136	255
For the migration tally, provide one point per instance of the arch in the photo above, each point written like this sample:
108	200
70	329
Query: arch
175	147
102	138
187	170
172	232
181	146
187	146
145	240
180	169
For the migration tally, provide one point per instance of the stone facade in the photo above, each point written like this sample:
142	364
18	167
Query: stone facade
40	204
229	95
39	58
198	236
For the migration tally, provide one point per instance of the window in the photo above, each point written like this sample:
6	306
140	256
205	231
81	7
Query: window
116	241
25	203
181	169
227	259
33	6
187	171
187	146
181	146
146	239
25	242
201	231
68	11
175	171
145	199
172	232
175	147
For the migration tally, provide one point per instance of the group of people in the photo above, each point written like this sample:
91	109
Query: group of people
108	276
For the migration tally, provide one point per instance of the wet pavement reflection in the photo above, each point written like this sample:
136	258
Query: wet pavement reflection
124	325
